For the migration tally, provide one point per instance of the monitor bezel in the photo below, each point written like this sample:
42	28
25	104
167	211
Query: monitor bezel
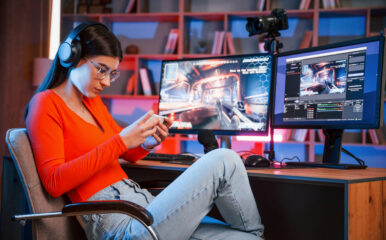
334	124
219	131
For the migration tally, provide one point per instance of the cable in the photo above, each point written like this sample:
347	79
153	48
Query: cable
360	161
294	157
243	153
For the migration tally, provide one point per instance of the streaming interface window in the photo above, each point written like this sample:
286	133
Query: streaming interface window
325	86
226	93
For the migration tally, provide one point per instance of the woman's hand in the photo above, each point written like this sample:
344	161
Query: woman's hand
136	133
160	135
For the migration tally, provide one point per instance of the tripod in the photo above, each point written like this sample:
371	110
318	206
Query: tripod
272	45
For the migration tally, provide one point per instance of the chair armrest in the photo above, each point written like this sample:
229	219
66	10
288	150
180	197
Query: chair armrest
94	207
109	206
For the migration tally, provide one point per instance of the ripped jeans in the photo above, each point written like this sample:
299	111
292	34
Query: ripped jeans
179	211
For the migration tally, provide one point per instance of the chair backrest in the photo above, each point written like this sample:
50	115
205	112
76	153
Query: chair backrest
38	199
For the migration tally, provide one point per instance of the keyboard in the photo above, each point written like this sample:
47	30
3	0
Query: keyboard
326	165
169	157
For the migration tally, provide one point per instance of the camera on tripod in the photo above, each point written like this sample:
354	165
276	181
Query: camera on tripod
268	24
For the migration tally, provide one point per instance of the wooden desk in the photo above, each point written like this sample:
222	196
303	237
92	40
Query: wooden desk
311	203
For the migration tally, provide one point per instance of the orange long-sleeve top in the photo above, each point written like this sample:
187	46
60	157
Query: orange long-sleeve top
73	156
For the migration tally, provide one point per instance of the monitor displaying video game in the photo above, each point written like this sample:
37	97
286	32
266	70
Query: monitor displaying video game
332	87
228	94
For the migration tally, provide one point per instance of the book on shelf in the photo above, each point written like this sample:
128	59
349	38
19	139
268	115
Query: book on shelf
331	4
260	5
337	3
218	42
130	85
321	135
300	135
145	81
304	4
291	134
76	4
130	6
307	39
287	134
171	43
373	136
377	135
230	44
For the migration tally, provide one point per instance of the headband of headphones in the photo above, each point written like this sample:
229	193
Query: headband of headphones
70	50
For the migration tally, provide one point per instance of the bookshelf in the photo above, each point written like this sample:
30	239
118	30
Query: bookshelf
148	26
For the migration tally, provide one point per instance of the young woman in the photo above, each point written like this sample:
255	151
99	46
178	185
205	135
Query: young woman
76	145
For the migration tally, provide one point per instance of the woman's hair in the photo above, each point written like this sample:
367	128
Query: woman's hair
95	40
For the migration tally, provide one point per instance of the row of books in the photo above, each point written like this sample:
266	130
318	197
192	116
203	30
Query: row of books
305	4
327	4
99	6
223	42
130	7
217	45
298	135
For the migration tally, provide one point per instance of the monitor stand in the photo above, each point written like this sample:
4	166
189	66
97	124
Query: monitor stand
332	145
331	153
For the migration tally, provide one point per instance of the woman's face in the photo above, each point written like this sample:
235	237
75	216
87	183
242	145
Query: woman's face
85	76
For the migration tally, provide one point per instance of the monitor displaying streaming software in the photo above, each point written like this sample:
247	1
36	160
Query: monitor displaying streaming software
335	86
227	94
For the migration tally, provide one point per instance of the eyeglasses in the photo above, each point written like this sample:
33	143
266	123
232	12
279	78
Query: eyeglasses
104	71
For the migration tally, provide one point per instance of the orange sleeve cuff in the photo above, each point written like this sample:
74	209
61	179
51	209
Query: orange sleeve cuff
131	155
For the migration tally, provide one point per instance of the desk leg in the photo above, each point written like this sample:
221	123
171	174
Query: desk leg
365	210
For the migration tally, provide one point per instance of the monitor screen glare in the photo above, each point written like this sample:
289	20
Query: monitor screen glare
228	95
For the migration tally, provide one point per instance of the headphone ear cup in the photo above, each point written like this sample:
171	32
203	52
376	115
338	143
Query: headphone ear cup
64	53
76	52
69	54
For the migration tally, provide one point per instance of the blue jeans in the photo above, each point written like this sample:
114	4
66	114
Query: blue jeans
219	177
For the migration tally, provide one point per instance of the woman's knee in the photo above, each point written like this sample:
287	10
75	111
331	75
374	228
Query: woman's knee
224	156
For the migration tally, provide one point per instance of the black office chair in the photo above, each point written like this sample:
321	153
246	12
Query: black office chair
53	218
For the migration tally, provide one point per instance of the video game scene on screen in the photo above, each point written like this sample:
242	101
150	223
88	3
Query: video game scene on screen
328	86
217	93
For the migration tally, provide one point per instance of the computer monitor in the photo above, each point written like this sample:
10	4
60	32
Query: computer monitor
332	87
226	94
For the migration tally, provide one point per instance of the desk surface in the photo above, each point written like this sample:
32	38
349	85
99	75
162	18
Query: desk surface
306	174
289	198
